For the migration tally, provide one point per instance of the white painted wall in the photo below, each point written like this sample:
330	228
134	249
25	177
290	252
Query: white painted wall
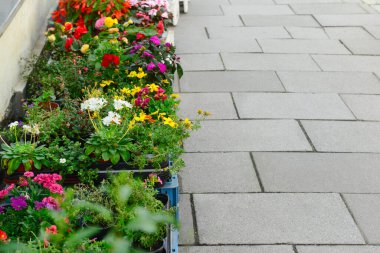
23	35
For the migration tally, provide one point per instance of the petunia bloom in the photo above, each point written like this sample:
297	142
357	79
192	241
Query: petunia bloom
155	40
150	66
161	67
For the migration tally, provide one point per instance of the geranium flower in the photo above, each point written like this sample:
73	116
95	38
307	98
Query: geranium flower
18	203
51	230
50	203
56	188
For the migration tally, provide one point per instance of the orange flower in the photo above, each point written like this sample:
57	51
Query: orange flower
3	235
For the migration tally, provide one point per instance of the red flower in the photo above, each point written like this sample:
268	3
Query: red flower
140	36
79	31
160	27
110	58
3	235
68	43
68	26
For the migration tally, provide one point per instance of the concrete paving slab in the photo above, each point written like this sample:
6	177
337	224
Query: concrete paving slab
366	211
237	249
327	8
343	136
330	82
348	62
305	1
364	107
291	106
319	172
237	2
279	20
220	105
256	10
349	20
218	172
204	21
217	32
306	32
248	135
347	33
226	81
274	218
297	62
361	46
338	249
201	62
374	30
187	227
302	46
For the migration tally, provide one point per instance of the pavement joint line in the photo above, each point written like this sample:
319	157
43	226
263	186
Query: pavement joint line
284	53
291	8
306	135
349	50
234	104
258	43
221	59
316	63
241	19
377	75
207	33
221	9
298	119
348	107
282	83
291	36
257	172
353	217
195	224
363	27
284	151
280	244
282	192
295	249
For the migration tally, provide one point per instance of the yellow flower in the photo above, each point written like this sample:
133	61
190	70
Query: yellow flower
206	113
141	117
153	87
141	75
200	111
160	115
109	22
113	41
174	96
140	69
125	40
105	83
130	21
170	122
96	37
84	48
132	74
125	91
51	38
135	90
165	81
131	124
188	123
113	30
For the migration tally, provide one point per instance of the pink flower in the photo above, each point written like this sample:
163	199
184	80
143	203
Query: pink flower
29	174
23	181
10	188
99	23
161	67
152	12
50	203
155	40
150	66
56	188
3	193
164	15
51	230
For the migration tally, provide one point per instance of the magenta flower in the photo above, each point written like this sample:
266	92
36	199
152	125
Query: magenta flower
147	54
99	23
18	203
161	67
50	203
168	44
39	205
29	174
2	209
56	188
150	66
155	40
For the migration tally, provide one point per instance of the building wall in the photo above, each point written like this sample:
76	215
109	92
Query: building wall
23	36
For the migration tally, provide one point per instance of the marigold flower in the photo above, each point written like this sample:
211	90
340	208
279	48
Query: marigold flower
188	124
84	48
125	91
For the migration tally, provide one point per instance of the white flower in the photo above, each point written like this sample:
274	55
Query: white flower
36	130
93	104
120	104
112	117
27	128
13	124
62	160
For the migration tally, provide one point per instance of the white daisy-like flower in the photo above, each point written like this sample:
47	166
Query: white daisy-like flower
13	124
27	128
120	104
112	117
93	104
62	160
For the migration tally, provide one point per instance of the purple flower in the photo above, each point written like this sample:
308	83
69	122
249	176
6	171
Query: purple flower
161	67
2	209
39	205
155	40
150	66
19	203
168	44
147	54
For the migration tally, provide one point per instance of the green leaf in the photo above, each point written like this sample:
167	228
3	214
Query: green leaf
126	156
37	164
179	71
75	239
106	156
115	159
89	150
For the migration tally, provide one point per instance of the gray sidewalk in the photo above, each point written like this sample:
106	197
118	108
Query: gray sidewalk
289	161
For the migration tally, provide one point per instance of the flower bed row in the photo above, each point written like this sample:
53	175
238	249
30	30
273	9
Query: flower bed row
99	99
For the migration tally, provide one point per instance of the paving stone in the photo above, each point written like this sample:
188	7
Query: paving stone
327	8
305	1
196	45
338	249
374	30
366	211
302	46
343	136
319	172
187	227
235	61
218	172
248	135
291	106
330	82
361	46
220	105
274	218
194	62
279	20
364	107
217	32
347	33
348	20
256	10
209	21
306	32
206	8
182	32
348	62
226	81
234	2
237	249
